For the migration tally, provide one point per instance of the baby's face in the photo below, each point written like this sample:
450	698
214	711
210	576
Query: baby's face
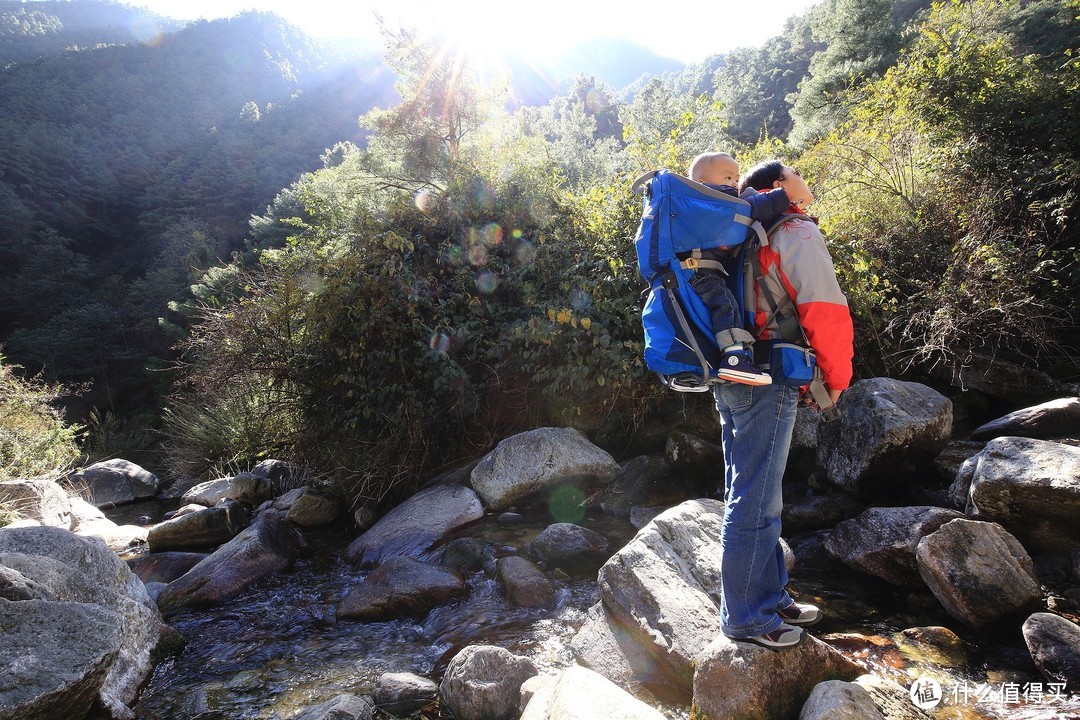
721	171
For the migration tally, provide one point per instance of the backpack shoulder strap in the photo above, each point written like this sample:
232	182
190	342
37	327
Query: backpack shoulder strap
781	306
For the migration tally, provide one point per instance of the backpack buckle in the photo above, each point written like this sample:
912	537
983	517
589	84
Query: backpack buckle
690	263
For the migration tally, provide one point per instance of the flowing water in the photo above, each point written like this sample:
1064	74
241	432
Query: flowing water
277	647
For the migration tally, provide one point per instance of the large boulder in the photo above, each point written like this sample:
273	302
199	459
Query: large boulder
1054	643
312	509
888	432
267	547
54	657
604	646
977	571
839	700
1004	380
663	587
88	521
340	707
39	499
689	454
537	461
115	482
644	480
882	541
1032	488
400	587
482	682
415	525
402	694
571	548
739	679
524	584
1055	419
208	493
164	567
72	569
206	528
578	693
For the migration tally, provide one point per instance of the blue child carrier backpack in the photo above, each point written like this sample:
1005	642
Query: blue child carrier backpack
680	217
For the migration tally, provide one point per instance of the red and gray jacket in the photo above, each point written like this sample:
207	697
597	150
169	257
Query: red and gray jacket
796	260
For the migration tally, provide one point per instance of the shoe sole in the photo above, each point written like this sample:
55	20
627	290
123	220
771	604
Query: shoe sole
774	646
747	379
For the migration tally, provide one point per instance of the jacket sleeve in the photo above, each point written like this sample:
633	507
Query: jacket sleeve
806	269
767	205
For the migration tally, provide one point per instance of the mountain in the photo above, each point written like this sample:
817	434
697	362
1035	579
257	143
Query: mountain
616	61
48	27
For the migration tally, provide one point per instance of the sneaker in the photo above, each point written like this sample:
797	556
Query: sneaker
785	636
799	614
737	366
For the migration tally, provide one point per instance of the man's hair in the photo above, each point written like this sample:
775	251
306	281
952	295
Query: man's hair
762	176
704	160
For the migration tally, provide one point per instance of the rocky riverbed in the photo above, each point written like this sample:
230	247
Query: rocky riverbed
559	579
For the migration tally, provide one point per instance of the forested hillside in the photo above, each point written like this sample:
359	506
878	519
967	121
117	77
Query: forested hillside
464	270
128	168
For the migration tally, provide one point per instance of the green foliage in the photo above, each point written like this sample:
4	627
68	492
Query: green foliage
34	439
951	203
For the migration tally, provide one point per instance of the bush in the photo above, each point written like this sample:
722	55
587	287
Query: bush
34	439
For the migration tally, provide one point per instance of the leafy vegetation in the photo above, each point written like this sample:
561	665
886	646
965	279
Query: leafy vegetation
34	439
454	271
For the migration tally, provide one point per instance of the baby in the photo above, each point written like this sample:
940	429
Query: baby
721	172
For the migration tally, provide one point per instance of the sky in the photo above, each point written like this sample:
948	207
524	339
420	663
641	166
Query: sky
540	28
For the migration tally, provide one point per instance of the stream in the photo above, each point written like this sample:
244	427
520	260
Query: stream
277	647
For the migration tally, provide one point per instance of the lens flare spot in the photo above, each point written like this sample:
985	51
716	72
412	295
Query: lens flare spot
517	234
425	201
525	253
486	282
491	234
567	504
439	342
478	255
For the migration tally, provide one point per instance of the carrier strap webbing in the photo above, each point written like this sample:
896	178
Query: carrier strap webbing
670	282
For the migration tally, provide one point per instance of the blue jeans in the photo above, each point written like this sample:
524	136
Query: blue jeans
756	424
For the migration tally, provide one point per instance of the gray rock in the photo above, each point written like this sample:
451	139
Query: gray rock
882	541
739	679
604	646
269	546
341	707
805	435
415	525
115	482
278	472
1032	488
891	698
54	657
537	461
313	510
642	516
1054	643
1055	419
643	480
818	511
664	587
524	584
285	501
687	453
164	567
206	528
952	457
578	693
249	489
465	555
888	432
16	586
88	521
402	694
482	682
1016	384
977	571
577	551
839	700
76	569
400	587
208	493
40	499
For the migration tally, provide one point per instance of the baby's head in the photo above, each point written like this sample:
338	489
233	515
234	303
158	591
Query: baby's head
715	169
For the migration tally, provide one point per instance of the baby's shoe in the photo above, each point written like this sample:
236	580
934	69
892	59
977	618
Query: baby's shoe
738	366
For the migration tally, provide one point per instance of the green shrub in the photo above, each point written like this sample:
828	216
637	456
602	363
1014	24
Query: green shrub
34	439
